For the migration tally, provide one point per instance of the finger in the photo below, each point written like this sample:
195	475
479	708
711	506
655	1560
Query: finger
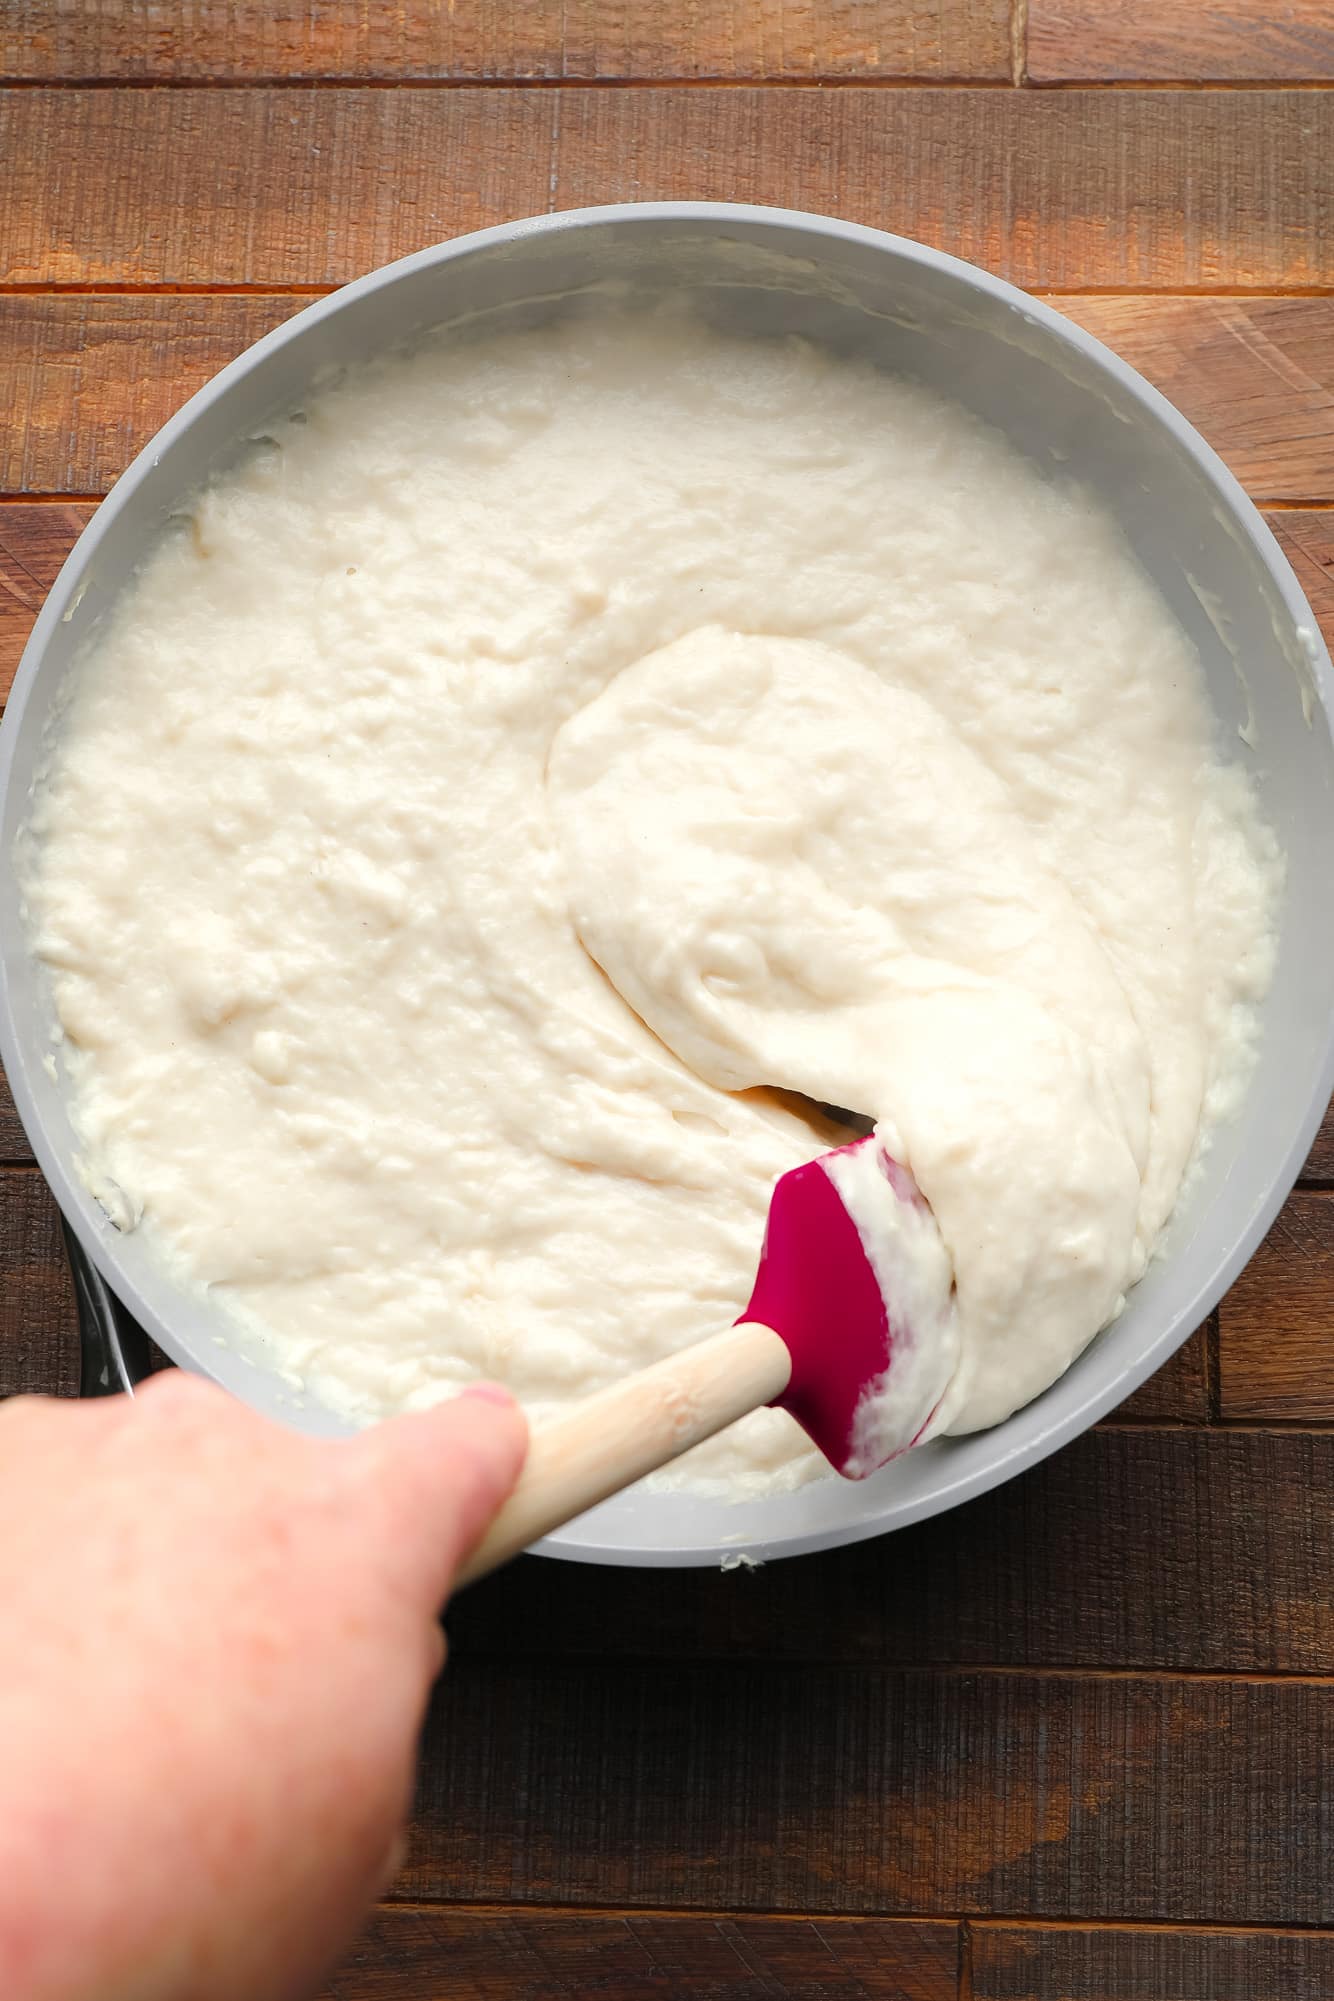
181	1389
440	1475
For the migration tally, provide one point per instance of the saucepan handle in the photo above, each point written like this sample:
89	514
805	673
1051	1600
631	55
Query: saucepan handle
114	1351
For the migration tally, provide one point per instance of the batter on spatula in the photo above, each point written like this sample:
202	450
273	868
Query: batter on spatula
848	1329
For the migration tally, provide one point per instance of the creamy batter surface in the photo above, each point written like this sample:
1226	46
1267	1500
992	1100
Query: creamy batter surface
540	757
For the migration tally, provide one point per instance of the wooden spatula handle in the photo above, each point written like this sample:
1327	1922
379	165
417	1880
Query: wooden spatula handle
612	1439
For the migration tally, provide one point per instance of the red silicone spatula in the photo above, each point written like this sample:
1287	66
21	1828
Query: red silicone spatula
818	1339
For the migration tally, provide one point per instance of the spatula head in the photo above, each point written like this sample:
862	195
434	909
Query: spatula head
855	1278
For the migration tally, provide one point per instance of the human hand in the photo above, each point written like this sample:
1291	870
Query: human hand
217	1639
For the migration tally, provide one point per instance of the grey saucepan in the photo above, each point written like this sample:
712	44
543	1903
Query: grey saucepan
1062	399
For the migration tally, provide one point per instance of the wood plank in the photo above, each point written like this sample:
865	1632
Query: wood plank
1276	1326
1153	1549
34	541
1167	41
439	1954
1255	375
1320	1161
1178	1391
266	186
97	375
269	186
1038	1963
476	40
1306	537
13	1140
38	1343
763	1787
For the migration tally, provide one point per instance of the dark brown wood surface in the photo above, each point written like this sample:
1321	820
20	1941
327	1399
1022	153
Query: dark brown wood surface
1071	1742
1078	1963
492	1954
1276	1350
1320	1164
757	1784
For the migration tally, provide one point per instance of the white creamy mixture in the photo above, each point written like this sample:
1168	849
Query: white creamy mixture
541	752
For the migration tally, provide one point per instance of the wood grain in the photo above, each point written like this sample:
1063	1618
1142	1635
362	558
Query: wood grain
1306	537
1146	41
1130	1549
38	1348
1320	1161
34	541
1178	1391
13	1140
763	1787
97	375
1276	1326
515	1955
1034	1963
482	39
271	186
1255	375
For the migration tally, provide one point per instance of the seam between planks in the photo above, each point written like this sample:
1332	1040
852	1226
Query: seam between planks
815	80
55	288
980	1920
520	1664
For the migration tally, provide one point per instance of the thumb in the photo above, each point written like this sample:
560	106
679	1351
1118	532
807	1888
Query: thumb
440	1475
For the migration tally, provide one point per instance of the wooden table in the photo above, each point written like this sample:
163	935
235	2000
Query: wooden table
1076	1739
